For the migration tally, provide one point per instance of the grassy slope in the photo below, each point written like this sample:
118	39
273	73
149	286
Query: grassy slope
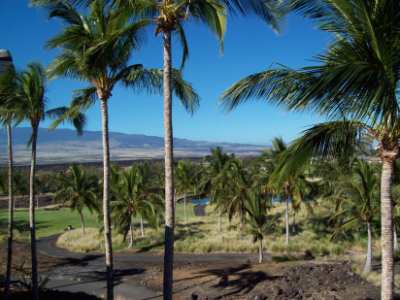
200	235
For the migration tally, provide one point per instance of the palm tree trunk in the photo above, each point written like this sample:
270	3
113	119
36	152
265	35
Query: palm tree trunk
387	277
32	222
131	237
169	179
294	223
184	209
82	222
287	222
260	251
219	222
10	213
141	226
106	200
368	260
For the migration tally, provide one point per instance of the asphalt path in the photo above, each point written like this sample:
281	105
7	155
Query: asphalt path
85	272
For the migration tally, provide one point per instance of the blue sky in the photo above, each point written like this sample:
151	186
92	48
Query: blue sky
250	46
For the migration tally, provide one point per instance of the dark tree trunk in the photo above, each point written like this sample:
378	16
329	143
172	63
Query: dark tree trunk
10	213
32	221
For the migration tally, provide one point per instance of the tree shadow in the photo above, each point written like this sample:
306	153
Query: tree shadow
182	232
78	262
238	280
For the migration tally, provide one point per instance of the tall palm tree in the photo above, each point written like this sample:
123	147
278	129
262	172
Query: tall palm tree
31	87
169	17
291	188
137	197
80	190
96	48
357	197
9	114
357	79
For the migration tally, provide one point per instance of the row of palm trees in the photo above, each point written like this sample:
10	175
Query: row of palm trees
354	84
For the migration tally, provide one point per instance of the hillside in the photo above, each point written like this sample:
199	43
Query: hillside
64	145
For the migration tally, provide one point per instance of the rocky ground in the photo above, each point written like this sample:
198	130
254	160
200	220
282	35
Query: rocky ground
277	281
214	276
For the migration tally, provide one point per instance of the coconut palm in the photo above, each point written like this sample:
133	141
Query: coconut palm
137	197
169	17
214	183
355	84
236	193
96	48
185	175
9	114
80	190
357	197
32	104
257	206
291	188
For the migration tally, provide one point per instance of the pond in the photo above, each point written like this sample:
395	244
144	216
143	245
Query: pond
202	201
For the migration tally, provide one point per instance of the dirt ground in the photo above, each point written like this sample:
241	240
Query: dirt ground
233	279
278	281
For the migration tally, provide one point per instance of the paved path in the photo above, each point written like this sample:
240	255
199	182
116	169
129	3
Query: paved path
86	272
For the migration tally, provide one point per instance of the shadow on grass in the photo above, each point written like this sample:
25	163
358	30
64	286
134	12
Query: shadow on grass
182	232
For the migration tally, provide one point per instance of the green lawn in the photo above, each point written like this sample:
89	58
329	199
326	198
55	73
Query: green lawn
48	222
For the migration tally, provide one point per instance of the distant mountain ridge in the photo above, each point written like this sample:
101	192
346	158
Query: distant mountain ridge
64	145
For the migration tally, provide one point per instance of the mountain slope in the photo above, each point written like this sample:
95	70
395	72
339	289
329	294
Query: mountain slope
64	145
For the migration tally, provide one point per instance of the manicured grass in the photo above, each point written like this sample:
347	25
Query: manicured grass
48	222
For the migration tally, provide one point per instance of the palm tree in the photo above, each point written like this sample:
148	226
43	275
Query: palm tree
356	78
31	87
169	17
137	197
292	188
96	48
185	175
214	184
257	205
9	114
233	203
357	197
80	190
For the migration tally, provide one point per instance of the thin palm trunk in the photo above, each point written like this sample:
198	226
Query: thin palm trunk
387	277
131	237
184	209
82	222
219	222
169	183
287	222
395	242
260	251
10	213
368	260
141	226
294	223
106	200
32	222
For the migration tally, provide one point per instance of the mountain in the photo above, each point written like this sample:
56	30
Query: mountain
64	145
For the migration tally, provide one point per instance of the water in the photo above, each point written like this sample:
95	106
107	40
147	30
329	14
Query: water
203	201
